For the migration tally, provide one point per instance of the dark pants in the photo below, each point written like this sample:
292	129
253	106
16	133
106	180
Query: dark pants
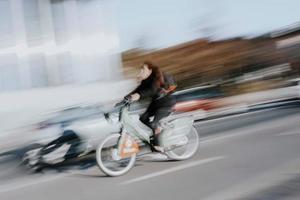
68	137
158	109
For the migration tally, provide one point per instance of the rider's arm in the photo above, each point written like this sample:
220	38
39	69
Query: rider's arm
143	92
148	91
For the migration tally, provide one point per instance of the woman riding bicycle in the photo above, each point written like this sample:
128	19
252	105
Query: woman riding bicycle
157	86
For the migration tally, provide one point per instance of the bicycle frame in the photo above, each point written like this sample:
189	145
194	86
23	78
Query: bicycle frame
135	128
134	134
174	132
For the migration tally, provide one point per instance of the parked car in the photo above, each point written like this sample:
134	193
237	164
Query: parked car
295	84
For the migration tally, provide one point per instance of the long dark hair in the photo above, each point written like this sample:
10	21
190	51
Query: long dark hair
156	73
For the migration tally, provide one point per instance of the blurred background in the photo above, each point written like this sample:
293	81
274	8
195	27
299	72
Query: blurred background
242	47
66	60
53	43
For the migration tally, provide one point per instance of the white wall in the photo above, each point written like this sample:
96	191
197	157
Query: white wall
27	107
52	42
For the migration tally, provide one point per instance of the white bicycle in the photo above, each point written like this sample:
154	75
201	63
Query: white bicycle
117	153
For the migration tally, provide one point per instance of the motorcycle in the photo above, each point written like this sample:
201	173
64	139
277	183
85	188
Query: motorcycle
117	153
65	149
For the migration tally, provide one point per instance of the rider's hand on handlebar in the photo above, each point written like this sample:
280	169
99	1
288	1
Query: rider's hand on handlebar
135	97
128	99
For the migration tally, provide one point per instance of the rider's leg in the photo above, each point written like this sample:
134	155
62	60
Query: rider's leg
67	136
159	114
145	117
55	144
162	108
75	142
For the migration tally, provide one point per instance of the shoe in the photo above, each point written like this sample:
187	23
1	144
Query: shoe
154	145
159	149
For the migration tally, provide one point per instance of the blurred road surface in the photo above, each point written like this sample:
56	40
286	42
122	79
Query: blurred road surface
252	156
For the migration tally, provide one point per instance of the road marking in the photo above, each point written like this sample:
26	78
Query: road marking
28	182
282	174
174	169
199	123
210	139
288	133
228	134
259	128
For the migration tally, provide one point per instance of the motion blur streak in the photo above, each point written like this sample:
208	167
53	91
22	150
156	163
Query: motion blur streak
225	78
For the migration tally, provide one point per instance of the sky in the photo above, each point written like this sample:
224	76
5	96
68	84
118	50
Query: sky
163	23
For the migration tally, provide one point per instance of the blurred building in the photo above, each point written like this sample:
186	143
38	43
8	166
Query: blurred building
56	42
288	42
242	64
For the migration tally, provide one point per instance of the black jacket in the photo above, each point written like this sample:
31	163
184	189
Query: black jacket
150	89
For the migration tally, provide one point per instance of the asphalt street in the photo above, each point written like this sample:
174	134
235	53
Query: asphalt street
247	156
